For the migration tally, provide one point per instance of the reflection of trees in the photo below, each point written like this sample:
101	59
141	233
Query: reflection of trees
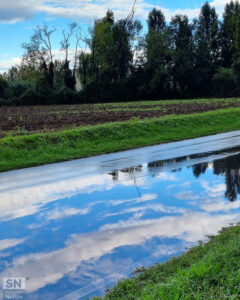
199	169
132	172
229	167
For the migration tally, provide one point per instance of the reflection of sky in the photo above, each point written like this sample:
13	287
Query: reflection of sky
74	237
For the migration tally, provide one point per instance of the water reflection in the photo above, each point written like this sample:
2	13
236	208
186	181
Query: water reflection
229	167
74	237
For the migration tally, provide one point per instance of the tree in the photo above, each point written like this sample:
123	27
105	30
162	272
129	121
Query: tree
207	47
156	20
158	54
111	49
236	48
183	53
69	75
224	82
3	86
228	29
39	54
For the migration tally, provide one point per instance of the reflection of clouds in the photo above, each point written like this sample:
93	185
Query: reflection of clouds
165	250
25	201
214	190
153	207
221	206
48	268
184	184
167	176
65	212
144	198
102	273
20	202
186	195
9	243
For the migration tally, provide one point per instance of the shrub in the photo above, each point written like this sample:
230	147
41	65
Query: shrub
3	86
224	82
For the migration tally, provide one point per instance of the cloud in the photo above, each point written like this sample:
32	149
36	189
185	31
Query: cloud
9	243
221	206
167	176
153	207
13	11
44	268
88	10
215	190
64	212
186	195
6	63
17	202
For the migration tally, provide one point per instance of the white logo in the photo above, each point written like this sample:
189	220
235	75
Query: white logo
12	283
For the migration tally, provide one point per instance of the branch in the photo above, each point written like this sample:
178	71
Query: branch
131	15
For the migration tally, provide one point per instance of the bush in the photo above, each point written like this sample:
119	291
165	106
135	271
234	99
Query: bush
224	82
19	88
103	92
3	86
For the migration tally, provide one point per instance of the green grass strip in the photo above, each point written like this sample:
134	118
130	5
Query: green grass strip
42	148
207	271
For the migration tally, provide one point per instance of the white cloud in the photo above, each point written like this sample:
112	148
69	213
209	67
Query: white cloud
13	11
17	202
64	212
216	190
167	176
221	206
186	195
88	10
9	243
7	63
153	207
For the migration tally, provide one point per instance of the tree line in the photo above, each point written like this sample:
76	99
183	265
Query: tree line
119	61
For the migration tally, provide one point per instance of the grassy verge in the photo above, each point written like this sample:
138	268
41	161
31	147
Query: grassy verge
166	102
210	271
42	148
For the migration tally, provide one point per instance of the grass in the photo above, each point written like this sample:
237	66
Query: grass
42	148
207	271
165	102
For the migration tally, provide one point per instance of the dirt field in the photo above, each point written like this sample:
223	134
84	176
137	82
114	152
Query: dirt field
19	120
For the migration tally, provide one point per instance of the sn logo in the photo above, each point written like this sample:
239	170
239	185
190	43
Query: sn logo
14	283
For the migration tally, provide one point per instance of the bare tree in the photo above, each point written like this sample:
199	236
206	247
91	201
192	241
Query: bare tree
38	52
66	42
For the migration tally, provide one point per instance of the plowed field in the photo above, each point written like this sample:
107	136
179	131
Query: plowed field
19	120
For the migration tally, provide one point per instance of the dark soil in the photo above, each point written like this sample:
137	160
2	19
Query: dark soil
47	118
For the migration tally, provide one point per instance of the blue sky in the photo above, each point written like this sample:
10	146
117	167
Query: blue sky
18	18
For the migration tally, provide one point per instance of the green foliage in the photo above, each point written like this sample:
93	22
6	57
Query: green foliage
68	76
3	86
156	20
224	82
227	34
111	50
183	53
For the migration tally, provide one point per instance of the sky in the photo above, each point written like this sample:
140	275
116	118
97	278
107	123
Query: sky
18	18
